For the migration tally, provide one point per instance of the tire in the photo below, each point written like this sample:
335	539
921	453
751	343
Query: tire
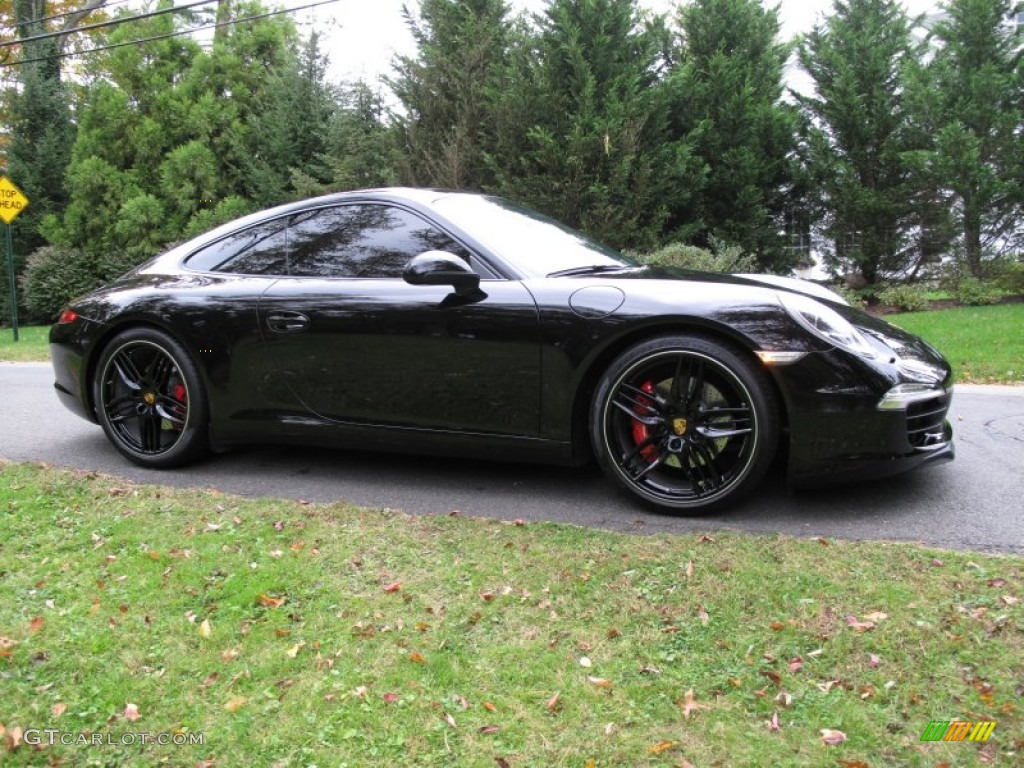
685	423
150	401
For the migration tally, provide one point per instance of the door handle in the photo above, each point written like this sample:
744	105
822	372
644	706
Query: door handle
287	322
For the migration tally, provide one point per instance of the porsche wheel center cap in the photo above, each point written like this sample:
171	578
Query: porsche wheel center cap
150	398
679	426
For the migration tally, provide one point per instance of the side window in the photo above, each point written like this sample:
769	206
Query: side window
259	250
361	240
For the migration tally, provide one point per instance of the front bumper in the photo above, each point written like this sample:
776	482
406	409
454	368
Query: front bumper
856	439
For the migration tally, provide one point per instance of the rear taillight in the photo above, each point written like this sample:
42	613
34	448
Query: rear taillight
67	316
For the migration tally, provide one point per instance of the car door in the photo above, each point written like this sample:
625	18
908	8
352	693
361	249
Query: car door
354	343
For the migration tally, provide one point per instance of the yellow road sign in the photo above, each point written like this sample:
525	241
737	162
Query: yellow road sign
12	200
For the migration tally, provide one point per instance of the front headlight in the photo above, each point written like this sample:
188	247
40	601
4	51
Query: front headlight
826	324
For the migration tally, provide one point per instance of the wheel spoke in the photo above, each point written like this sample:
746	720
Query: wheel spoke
641	400
695	383
650	421
149	432
122	408
718	433
634	454
649	468
127	371
712	478
164	413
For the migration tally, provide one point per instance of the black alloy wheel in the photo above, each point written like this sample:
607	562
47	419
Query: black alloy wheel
149	399
686	423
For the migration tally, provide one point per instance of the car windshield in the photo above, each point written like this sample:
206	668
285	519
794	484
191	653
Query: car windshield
532	243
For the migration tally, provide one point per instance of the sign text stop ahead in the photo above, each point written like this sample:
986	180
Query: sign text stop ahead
12	200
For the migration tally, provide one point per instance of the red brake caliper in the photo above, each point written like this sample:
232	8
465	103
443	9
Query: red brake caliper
640	430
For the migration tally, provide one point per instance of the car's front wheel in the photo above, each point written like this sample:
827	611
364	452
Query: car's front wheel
686	423
149	399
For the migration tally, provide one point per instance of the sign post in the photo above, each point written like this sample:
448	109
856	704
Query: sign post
12	202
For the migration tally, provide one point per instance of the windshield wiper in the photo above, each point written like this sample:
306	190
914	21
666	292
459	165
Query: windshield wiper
592	269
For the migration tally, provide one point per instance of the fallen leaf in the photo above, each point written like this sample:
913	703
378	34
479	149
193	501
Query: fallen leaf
36	624
393	586
689	570
554	703
131	712
235	703
661	746
230	654
58	709
773	724
600	682
205	629
270	602
13	737
873	661
390	698
996	582
862	764
450	720
585	662
784	699
487	596
777	625
489	707
795	665
690	705
417	658
489	729
294	650
832	738
860	626
210	679
877	617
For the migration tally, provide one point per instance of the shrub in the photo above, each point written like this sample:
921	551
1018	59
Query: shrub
908	298
53	276
724	258
974	292
1011	278
855	298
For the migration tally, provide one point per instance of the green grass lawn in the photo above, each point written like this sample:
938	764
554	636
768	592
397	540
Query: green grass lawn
985	345
291	634
33	344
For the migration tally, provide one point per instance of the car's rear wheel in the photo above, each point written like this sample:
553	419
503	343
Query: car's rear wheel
685	423
149	399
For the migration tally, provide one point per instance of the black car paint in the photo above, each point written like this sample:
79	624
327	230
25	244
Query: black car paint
382	364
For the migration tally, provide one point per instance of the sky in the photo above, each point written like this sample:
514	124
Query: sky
363	36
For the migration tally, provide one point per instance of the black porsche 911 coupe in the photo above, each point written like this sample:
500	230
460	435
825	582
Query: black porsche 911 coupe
465	325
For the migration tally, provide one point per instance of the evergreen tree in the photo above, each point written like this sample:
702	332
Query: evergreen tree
290	125
585	125
165	135
448	91
727	99
979	85
858	139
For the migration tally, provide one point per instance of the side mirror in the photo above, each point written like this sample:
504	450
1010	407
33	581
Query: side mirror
442	268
